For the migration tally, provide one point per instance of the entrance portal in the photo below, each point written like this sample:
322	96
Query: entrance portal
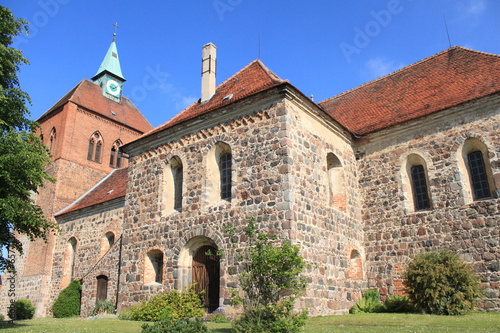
206	276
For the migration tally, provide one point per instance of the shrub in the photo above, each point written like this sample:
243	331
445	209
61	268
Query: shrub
440	283
217	318
23	309
2	318
103	307
67	303
370	303
168	325
398	304
172	305
271	280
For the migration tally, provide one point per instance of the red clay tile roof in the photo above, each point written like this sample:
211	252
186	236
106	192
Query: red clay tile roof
449	78
88	95
252	79
111	187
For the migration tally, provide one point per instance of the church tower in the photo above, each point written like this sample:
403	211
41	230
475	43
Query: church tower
109	75
83	131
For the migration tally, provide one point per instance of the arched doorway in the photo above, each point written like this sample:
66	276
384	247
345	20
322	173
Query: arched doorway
102	288
206	276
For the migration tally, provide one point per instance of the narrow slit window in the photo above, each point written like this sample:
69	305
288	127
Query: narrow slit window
178	179
225	176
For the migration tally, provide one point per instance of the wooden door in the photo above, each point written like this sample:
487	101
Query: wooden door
206	276
102	288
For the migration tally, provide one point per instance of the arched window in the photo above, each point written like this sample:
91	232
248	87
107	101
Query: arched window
219	178
477	165
336	183
69	262
72	254
177	178
153	268
416	183
52	140
115	159
172	185
419	187
355	265
107	242
225	176
95	148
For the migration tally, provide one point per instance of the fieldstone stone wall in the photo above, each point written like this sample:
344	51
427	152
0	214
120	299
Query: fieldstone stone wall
327	233
93	255
258	190
395	233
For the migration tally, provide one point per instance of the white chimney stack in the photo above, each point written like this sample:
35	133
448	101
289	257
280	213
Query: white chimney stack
208	64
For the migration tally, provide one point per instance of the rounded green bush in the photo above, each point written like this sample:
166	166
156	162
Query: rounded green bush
440	283
23	309
67	303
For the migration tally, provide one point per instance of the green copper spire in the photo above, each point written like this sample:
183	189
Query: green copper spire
111	63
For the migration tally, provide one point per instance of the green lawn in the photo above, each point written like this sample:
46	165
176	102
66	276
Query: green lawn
382	322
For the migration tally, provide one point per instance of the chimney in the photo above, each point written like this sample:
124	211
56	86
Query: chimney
208	63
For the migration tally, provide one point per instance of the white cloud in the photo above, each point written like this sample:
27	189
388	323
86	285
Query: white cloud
472	7
377	67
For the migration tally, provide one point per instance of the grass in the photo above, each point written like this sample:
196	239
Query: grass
380	322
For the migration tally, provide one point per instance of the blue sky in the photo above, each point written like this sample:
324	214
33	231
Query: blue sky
322	47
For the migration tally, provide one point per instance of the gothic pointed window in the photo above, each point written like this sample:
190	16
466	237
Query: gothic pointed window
95	148
115	159
52	140
219	173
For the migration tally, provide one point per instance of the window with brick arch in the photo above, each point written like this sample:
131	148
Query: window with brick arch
153	268
115	159
336	182
219	173
52	140
95	148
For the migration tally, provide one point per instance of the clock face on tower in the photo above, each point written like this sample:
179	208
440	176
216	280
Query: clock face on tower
113	88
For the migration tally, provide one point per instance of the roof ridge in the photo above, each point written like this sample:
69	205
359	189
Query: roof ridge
61	100
410	66
272	76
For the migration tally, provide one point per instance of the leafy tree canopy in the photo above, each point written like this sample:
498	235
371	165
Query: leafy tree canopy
23	157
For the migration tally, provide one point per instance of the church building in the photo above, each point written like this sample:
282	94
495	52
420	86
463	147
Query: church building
362	182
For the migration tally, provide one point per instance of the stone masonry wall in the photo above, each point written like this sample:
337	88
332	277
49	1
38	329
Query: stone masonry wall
93	256
258	190
395	233
327	233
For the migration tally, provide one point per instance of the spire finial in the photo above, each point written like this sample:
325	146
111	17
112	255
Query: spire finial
116	27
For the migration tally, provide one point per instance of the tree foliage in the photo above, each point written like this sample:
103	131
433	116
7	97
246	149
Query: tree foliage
440	283
271	281
23	157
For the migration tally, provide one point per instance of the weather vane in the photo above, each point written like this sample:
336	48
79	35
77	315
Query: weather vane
116	26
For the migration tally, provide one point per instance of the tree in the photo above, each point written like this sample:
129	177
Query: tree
271	281
23	157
